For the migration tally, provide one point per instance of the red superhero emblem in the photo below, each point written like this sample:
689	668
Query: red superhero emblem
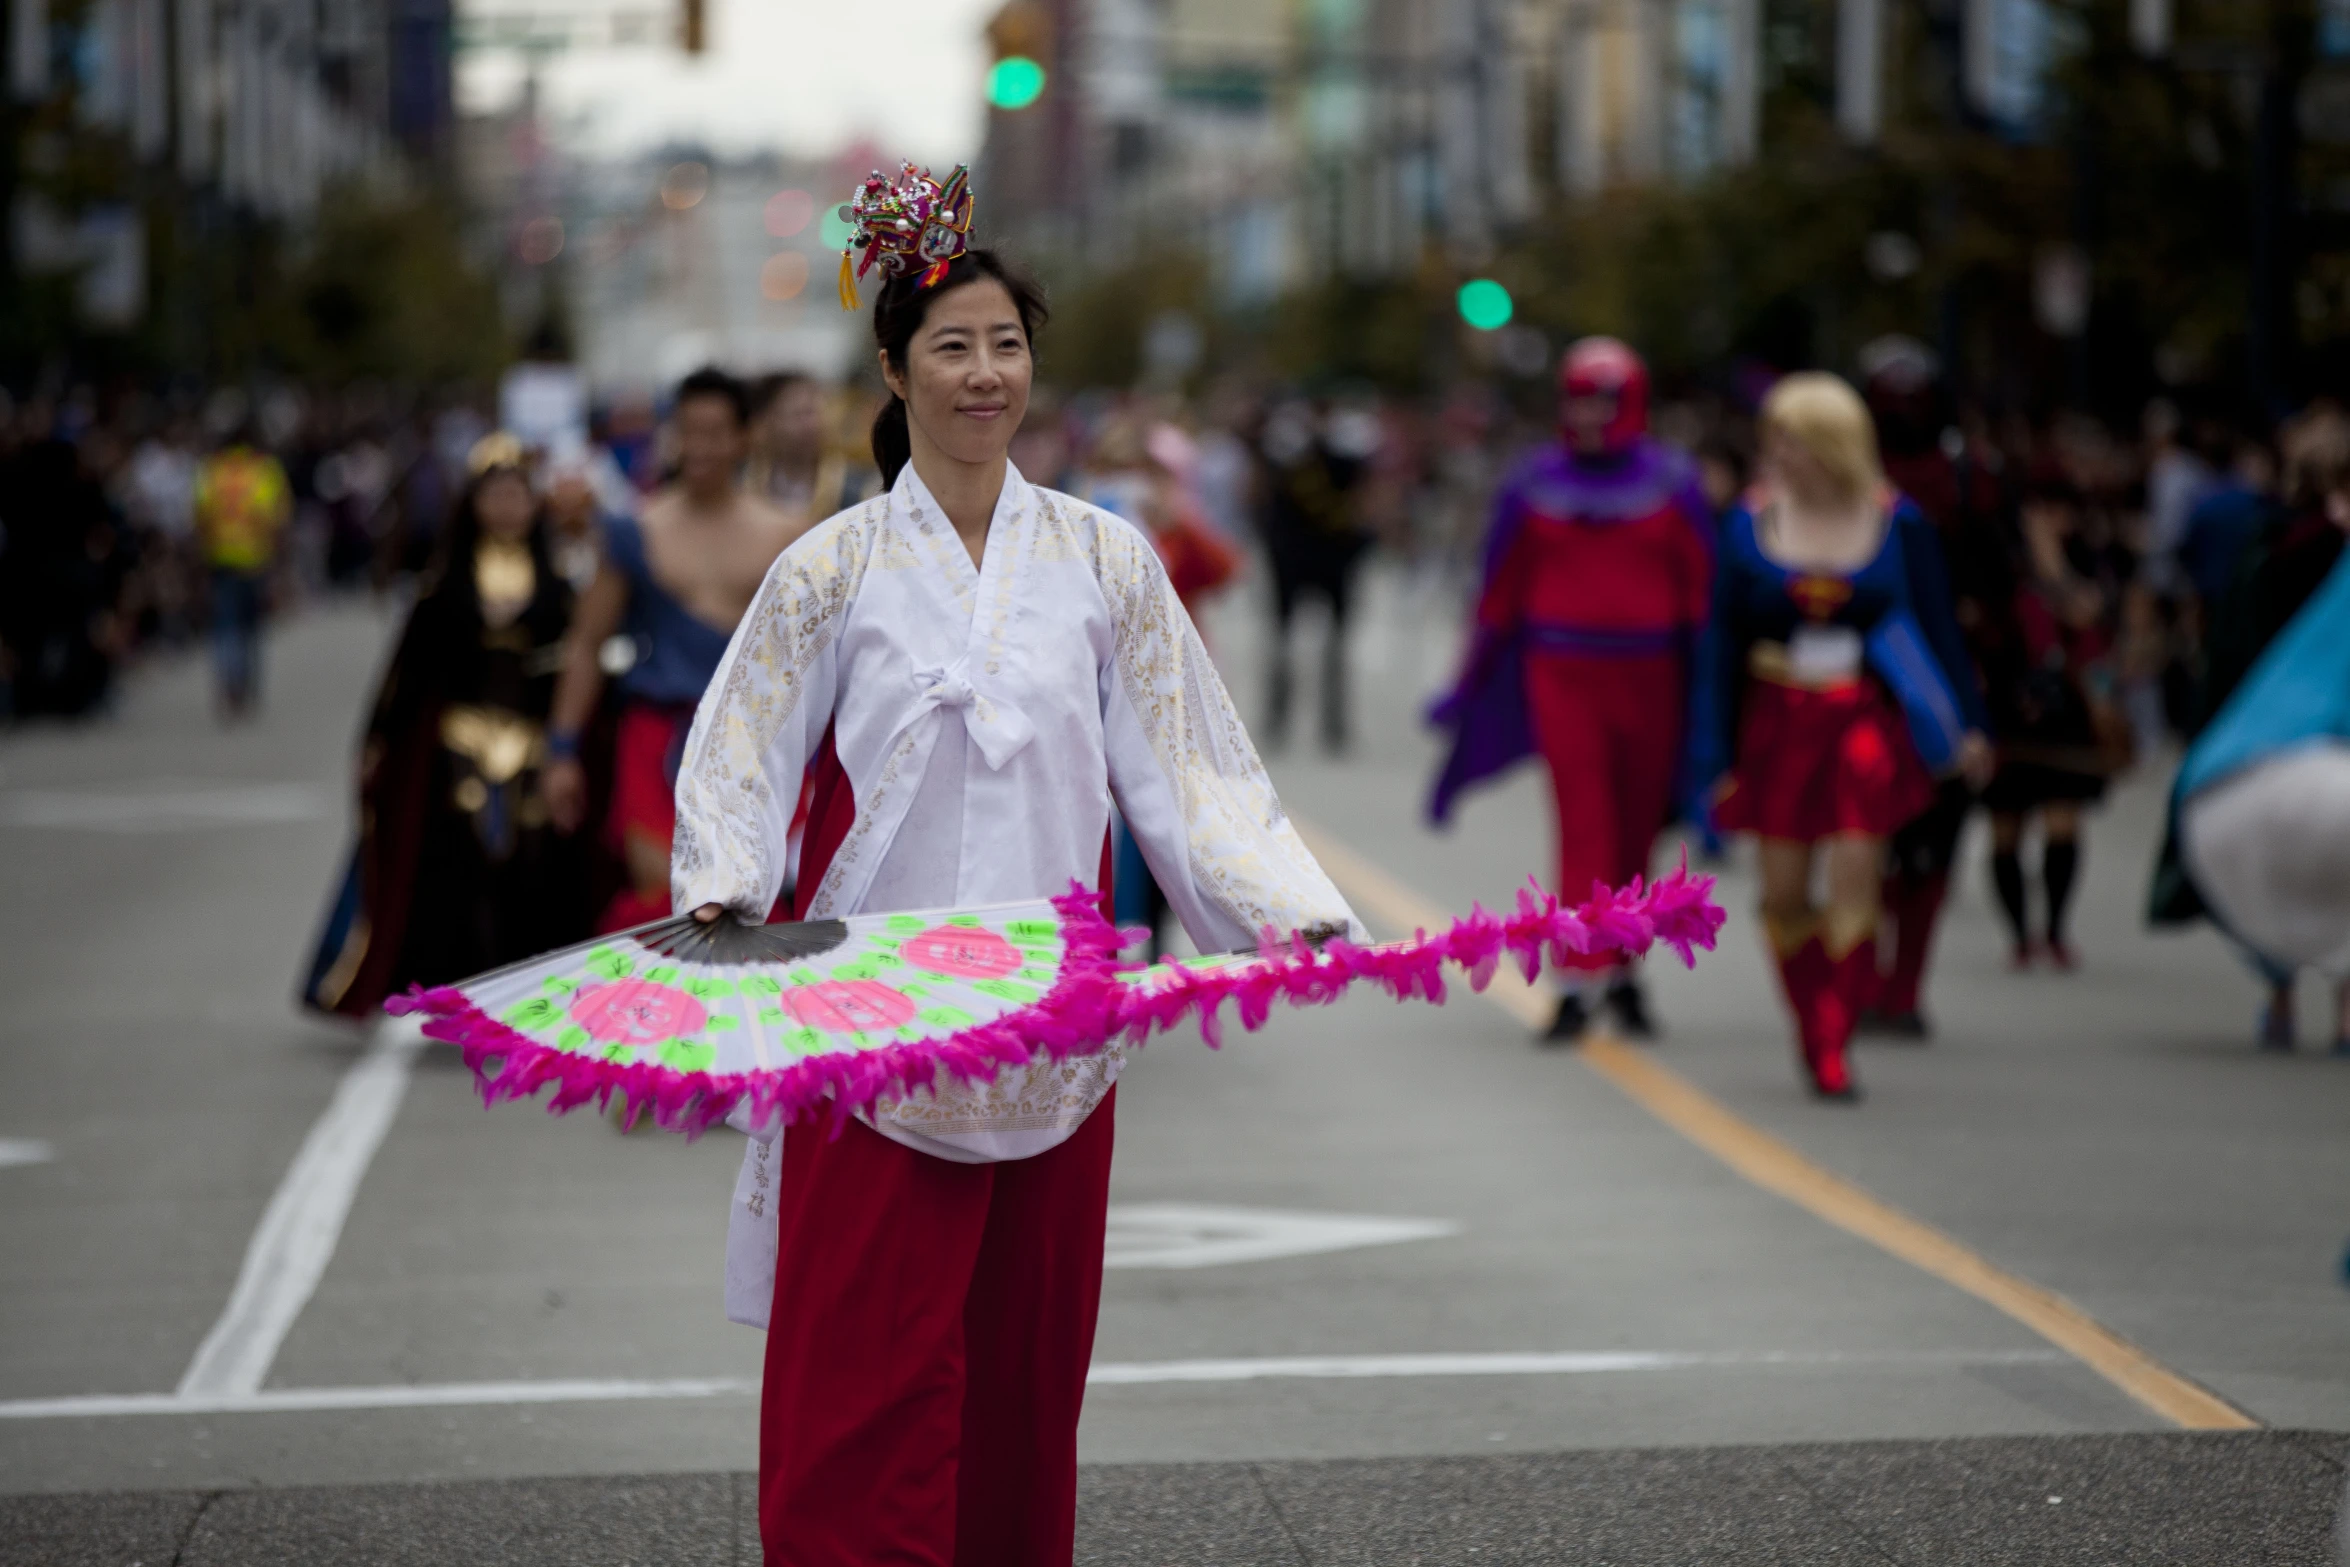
1819	597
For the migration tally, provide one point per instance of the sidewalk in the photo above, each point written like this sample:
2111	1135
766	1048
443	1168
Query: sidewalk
2265	1498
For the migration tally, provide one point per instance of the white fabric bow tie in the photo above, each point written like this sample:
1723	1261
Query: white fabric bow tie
998	729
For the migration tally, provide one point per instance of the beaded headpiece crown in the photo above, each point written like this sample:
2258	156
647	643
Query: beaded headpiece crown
914	222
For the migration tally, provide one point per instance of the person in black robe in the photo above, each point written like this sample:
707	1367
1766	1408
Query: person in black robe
458	868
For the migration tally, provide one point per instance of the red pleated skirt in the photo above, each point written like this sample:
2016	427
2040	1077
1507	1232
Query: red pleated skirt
1815	763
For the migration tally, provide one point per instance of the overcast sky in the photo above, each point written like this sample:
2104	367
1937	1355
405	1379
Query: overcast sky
801	76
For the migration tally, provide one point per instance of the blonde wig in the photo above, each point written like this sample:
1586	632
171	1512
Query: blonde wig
1823	414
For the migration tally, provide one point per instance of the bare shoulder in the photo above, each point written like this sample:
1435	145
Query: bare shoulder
659	511
760	517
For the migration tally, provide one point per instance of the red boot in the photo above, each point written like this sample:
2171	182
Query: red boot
1805	975
1851	984
1915	906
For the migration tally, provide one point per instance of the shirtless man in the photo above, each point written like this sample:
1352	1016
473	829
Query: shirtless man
675	582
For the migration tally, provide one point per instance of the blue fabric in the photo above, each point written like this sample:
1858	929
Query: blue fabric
677	651
1130	880
1899	602
1897	653
1590	642
236	632
2219	529
2298	691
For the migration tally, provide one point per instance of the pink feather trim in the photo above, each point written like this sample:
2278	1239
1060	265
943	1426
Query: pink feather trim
1088	1006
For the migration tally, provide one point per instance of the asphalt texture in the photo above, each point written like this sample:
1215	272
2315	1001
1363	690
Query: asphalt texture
2082	1501
2110	1135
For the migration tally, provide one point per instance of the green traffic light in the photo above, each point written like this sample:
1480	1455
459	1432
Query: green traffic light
1015	82
1485	304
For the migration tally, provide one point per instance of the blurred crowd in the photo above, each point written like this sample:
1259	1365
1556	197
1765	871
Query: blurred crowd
136	524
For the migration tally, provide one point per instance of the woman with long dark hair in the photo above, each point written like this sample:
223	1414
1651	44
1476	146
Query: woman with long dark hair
458	868
970	669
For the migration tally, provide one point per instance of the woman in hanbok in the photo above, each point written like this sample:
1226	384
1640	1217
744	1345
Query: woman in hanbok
458	868
969	669
1831	685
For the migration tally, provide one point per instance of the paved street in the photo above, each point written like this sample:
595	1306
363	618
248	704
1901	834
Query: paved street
1579	1336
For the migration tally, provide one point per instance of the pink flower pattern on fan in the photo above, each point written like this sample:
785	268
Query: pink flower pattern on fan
849	1006
961	952
636	1012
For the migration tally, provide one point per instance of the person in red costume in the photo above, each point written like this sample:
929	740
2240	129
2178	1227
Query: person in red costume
1958	485
1598	577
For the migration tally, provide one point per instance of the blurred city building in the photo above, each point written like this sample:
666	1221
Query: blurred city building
689	260
131	119
2090	201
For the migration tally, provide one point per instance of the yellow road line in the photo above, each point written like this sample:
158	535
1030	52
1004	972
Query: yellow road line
1779	1169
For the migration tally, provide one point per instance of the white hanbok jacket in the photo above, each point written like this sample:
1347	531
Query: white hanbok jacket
985	719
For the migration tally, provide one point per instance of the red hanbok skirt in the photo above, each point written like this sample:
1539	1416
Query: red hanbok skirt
1815	762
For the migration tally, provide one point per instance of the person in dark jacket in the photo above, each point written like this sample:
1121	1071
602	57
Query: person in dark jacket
459	868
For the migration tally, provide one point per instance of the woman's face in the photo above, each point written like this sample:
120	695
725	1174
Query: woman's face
967	372
504	505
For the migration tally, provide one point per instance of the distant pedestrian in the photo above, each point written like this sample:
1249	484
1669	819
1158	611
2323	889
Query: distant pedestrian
1831	685
62	567
459	868
1957	482
1315	460
242	505
672	585
2052	702
2262	809
1598	576
2249	844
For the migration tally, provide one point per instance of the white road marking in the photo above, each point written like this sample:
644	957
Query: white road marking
299	1230
24	1150
1137	1373
1202	1235
187	808
1531	1364
300	1400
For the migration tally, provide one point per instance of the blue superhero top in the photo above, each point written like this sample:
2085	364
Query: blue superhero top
677	651
1898	603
